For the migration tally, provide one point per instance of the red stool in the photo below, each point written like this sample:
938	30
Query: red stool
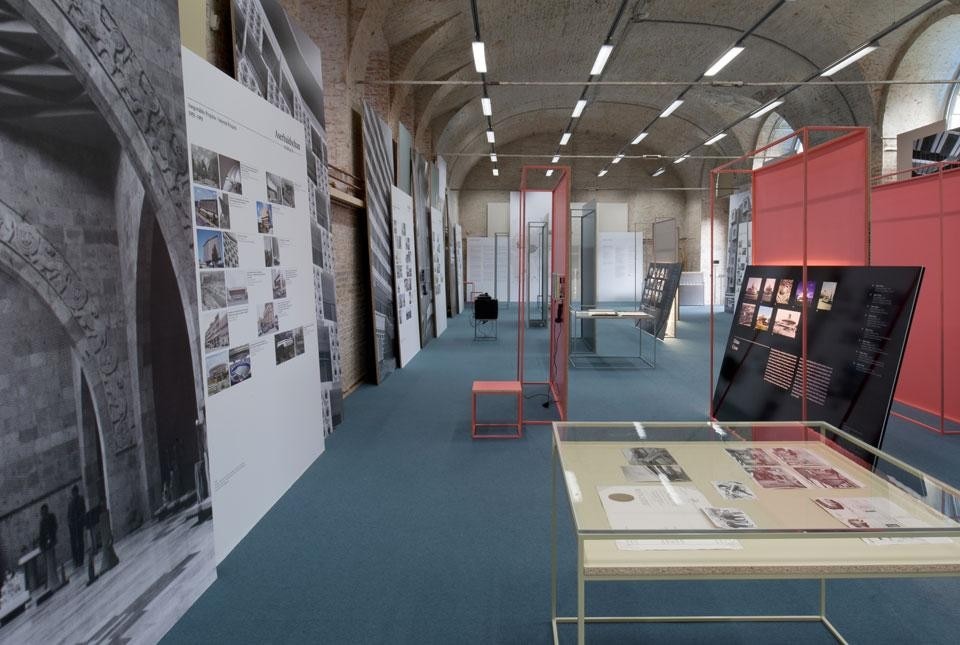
497	387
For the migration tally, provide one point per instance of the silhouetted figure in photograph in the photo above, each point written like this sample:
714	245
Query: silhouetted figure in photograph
76	518
48	545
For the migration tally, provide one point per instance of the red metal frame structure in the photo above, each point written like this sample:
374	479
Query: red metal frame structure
838	202
559	260
910	220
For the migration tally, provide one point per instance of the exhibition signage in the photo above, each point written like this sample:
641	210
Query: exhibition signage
439	273
405	282
659	292
852	323
256	292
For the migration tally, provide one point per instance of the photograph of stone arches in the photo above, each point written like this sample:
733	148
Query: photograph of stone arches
106	531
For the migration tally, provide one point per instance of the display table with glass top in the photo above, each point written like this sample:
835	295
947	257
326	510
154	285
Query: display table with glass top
688	501
584	350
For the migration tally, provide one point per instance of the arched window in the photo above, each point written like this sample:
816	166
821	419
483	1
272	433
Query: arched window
953	108
775	127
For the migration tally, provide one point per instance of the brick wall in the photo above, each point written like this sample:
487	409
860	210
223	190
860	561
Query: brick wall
353	295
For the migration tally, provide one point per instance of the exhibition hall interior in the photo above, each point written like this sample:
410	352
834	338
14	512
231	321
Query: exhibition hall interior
472	321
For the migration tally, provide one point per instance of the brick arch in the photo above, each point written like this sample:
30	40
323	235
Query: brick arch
91	43
27	255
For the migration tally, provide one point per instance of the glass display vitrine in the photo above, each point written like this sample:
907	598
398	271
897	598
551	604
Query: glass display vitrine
700	500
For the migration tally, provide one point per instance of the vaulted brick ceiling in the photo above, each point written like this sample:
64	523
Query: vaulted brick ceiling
552	40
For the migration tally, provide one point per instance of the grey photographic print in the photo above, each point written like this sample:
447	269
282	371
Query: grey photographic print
278	61
106	530
421	225
378	171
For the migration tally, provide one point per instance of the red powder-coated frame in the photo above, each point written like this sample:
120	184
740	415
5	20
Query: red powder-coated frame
774	248
514	388
559	256
911	220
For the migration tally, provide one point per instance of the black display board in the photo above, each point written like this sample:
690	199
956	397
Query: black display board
659	291
856	321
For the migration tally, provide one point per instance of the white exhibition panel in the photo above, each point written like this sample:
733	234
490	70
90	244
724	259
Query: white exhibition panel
405	275
439	279
480	264
458	254
620	268
264	419
538	208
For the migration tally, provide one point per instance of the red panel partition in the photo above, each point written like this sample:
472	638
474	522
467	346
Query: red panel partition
812	208
905	219
911	222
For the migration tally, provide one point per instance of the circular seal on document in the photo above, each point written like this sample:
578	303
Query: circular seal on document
621	497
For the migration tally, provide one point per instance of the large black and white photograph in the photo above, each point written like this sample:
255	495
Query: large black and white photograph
378	165
106	531
263	31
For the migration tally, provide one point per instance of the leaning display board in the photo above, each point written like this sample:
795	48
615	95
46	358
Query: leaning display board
423	244
404	278
255	287
278	61
855	321
458	260
378	168
439	275
659	292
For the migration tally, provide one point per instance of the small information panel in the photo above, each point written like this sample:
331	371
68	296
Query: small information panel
856	321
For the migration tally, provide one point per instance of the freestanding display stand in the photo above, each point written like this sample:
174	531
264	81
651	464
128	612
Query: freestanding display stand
557	291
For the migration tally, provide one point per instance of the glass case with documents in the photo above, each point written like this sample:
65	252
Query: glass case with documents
699	500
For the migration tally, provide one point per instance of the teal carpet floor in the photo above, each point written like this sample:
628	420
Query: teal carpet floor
407	531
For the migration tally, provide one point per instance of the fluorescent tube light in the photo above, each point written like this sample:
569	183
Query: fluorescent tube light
602	173
850	59
496	173
640	137
617	158
659	171
712	140
479	58
578	108
670	110
773	105
602	57
550	172
722	62
493	157
565	138
490	137
681	159
486	106
555	159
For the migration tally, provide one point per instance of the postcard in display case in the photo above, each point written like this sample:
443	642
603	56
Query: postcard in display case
856	321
